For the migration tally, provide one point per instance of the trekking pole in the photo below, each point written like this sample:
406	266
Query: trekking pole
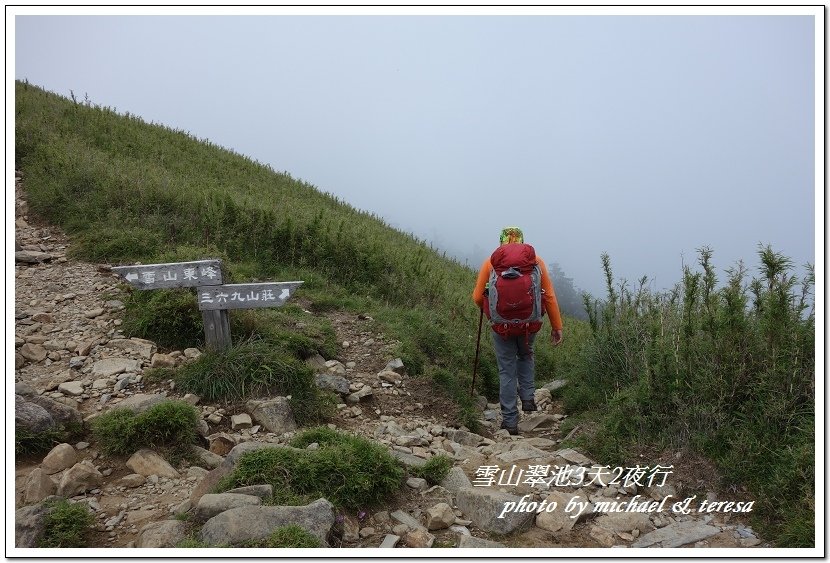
478	345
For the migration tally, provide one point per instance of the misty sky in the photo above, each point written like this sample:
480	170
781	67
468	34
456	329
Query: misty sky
644	136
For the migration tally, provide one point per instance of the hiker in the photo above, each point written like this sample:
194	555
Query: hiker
514	290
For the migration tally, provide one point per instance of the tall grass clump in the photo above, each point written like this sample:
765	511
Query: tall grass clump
170	425
254	368
727	370
66	524
349	471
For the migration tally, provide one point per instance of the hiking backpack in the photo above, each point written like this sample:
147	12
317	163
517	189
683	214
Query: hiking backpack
513	300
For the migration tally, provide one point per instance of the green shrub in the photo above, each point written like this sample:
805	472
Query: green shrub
170	425
727	370
28	442
288	536
350	471
434	470
66	524
255	368
168	317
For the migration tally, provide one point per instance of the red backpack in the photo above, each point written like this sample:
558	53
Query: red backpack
513	300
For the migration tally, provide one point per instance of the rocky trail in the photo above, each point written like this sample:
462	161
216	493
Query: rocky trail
72	362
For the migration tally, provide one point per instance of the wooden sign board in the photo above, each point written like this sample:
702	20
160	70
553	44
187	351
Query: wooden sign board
214	298
245	295
178	274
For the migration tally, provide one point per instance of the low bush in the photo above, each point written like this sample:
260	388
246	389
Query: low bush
66	524
254	368
349	471
168	317
28	442
170	425
434	470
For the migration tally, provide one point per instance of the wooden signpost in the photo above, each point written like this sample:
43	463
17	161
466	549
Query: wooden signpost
215	298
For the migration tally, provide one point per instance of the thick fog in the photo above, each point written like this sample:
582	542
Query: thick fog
643	136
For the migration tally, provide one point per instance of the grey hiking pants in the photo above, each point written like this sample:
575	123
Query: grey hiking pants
516	364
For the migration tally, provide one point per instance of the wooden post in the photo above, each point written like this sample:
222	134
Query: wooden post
217	329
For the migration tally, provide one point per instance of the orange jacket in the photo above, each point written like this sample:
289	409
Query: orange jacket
548	295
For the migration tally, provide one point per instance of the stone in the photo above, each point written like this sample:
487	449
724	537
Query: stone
72	388
408	459
463	437
33	352
483	506
207	457
143	348
438	494
465	541
212	504
192	353
61	413
31	417
522	452
389	541
247	523
419	538
573	456
396	365
99	384
404	518
140	402
555	385
132	480
603	536
62	456
417	483
440	516
677	534
366	532
537	421
351	529
80	478
625	522
357	396
275	415
38	486
165	533
162	361
240	421
221	444
147	462
113	366
329	382
455	480
559	520
261	491
29	525
31	257
92	313
390	377
335	367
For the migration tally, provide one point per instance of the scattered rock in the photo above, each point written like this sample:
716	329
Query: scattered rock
677	534
275	415
418	538
483	507
113	366
336	383
166	533
147	462
440	516
470	541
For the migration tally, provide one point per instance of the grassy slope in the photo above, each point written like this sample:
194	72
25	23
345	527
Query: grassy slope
127	191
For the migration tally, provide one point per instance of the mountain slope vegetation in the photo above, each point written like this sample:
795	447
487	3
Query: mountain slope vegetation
128	191
726	370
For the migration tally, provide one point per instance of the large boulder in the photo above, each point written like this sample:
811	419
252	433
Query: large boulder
61	413
38	486
80	478
62	456
31	417
29	525
212	504
252	523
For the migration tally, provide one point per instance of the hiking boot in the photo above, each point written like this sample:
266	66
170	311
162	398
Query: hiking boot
512	430
529	406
